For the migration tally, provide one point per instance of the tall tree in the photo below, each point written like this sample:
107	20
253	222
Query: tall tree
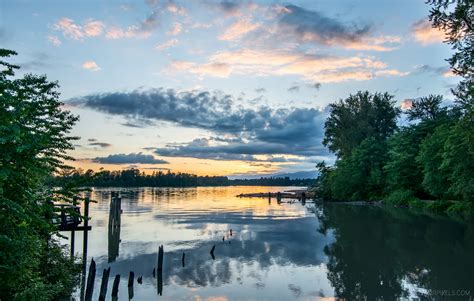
358	117
33	144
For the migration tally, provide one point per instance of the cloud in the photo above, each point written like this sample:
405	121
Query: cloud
54	40
319	68
425	34
444	71
307	26
216	69
176	29
91	66
100	144
406	104
260	90
175	9
93	28
230	8
244	132
294	89
132	158
167	44
238	29
316	86
69	28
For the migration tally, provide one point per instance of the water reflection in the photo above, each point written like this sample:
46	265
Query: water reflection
391	253
270	251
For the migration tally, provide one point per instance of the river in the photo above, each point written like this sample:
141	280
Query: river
287	251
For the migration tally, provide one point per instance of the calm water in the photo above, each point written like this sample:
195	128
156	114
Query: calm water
276	252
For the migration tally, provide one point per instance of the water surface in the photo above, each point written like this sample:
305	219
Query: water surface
286	251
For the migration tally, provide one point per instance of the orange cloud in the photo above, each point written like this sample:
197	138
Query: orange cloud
406	104
425	34
69	28
54	40
93	28
175	30
238	29
277	62
167	44
91	65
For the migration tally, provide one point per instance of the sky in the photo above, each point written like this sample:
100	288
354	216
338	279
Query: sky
237	88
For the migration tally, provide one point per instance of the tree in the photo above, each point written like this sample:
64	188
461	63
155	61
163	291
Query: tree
455	18
358	117
33	144
426	108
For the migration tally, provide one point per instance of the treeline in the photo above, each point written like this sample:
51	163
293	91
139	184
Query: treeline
137	178
430	158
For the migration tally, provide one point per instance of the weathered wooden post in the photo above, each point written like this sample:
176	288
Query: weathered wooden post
131	279
160	270
115	286
90	281
303	198
182	259
269	198
114	227
278	197
139	279
86	226
103	284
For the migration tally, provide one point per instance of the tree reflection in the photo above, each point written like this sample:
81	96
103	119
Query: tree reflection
384	253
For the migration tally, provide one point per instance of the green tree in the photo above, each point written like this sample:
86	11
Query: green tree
456	19
33	144
426	108
358	117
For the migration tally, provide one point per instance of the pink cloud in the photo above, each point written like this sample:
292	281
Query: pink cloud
238	29
69	28
91	66
54	40
425	34
93	28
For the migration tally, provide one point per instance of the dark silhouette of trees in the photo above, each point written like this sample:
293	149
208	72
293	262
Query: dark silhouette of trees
137	178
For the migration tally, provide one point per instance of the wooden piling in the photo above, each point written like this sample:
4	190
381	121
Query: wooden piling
182	259
131	278
139	280
86	225
160	270
115	286
90	281
103	284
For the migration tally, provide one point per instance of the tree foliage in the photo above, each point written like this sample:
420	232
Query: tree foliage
33	144
358	117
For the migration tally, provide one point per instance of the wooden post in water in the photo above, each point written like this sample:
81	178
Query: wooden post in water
278	197
212	252
115	286
90	281
86	225
182	259
103	284
131	279
160	270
